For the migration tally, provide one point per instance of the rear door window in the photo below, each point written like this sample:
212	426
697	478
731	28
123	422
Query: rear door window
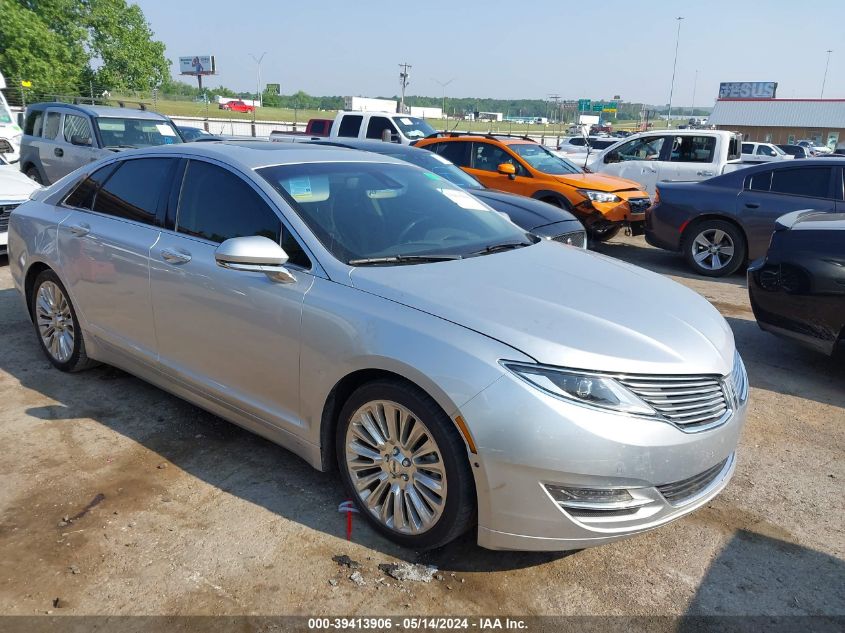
33	124
747	148
760	182
455	151
693	149
135	189
350	125
807	181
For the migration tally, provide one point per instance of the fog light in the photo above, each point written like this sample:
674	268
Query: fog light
593	496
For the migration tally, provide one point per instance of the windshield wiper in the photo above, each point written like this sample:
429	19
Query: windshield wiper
401	259
121	147
504	246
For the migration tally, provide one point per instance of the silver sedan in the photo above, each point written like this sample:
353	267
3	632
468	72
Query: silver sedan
370	316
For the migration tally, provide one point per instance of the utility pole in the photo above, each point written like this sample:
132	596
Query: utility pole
403	81
555	98
694	86
674	66
258	61
443	85
824	80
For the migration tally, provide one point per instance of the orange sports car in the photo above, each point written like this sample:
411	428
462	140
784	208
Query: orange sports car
604	204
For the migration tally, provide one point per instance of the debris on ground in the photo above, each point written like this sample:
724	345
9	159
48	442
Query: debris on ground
162	465
409	571
57	603
332	582
438	577
343	559
357	578
73	569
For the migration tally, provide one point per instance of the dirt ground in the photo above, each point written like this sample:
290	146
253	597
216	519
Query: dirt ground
117	498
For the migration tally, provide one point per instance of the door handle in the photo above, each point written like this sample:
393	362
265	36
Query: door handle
752	205
175	257
58	151
704	173
649	170
80	230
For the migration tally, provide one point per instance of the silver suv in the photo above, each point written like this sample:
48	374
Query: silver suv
61	137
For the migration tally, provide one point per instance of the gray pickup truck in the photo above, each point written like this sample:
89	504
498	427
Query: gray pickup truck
60	137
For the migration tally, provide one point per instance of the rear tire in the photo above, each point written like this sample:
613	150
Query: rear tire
56	324
405	465
603	236
714	248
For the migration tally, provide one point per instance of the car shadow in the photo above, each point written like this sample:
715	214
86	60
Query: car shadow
213	450
784	366
639	253
789	586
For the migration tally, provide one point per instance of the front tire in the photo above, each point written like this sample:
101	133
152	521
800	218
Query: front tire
714	248
33	174
56	324
605	234
405	465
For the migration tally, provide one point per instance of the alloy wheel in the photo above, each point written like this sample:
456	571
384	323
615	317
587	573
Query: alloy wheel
713	249
396	467
54	321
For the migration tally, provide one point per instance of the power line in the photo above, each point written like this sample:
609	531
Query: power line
674	66
824	80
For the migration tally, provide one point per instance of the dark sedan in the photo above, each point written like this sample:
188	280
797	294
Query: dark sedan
798	289
721	223
539	218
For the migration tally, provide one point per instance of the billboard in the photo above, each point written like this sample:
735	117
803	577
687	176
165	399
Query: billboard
748	89
274	89
197	65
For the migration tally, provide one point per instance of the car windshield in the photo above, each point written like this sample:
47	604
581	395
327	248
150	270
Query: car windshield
412	127
543	160
126	132
439	165
377	213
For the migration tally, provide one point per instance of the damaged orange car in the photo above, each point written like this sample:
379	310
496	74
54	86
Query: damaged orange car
604	204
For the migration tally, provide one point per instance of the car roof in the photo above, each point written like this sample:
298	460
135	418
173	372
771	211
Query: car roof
102	111
367	145
257	154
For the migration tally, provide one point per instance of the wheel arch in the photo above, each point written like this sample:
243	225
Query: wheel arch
35	269
545	195
344	388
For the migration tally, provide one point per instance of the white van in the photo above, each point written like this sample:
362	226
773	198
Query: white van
649	157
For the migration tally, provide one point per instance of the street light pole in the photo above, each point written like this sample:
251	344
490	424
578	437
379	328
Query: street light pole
824	80
443	85
694	86
258	60
674	66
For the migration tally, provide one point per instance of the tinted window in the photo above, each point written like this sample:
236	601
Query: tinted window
33	123
51	128
693	149
320	128
809	181
577	141
350	124
83	196
76	126
747	148
134	189
760	182
488	157
217	205
456	152
377	126
733	148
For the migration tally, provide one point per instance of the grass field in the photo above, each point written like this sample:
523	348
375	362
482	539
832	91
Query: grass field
193	109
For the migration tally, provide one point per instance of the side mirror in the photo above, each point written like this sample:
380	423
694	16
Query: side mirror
76	139
254	254
507	169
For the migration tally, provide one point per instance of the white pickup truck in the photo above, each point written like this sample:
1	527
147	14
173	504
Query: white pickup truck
651	157
399	128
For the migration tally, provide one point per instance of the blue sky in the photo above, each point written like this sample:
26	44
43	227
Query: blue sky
515	49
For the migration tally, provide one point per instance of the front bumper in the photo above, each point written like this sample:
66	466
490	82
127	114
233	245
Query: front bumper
527	440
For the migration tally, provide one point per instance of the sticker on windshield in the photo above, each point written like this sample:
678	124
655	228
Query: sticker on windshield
300	187
165	130
464	200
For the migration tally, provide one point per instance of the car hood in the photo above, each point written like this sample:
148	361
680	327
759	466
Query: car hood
567	307
14	185
528	213
599	182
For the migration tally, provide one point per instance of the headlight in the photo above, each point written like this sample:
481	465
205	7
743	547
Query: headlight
599	196
582	388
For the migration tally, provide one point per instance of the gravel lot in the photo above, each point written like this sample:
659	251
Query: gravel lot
118	498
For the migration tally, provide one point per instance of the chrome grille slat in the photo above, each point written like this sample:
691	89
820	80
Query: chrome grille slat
687	401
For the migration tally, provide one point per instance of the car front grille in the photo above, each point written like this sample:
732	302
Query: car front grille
681	492
575	238
639	205
690	402
6	147
5	212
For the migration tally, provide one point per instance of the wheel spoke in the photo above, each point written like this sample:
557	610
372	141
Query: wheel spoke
718	236
702	241
429	482
371	427
701	256
727	250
